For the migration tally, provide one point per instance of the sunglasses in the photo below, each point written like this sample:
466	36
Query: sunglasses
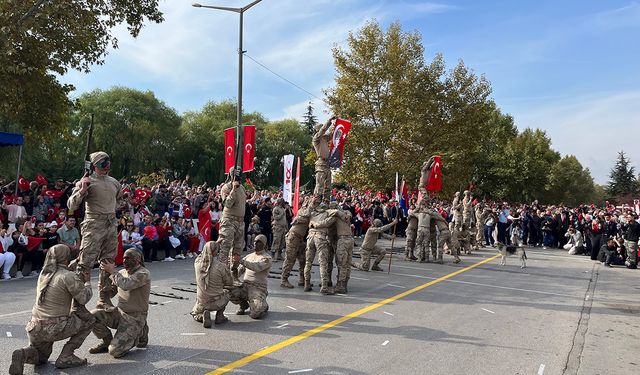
104	163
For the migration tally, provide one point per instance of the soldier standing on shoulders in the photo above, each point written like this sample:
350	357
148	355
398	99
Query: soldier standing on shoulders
320	143
101	195
253	292
51	318
212	276
231	239
132	285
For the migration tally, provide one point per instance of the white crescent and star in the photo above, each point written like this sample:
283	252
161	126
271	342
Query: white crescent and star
229	150
247	147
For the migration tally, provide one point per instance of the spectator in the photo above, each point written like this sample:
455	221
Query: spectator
631	236
15	211
575	243
7	259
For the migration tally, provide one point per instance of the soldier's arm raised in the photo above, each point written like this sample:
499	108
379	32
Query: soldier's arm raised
76	198
257	266
131	282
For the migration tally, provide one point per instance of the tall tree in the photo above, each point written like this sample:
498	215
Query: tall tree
569	183
309	119
622	179
42	40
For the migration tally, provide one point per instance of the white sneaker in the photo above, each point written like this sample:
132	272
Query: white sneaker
6	276
19	275
190	255
168	259
179	256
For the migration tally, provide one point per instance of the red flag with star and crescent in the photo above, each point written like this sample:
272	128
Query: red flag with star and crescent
52	193
434	182
249	152
229	148
340	132
41	180
142	194
23	183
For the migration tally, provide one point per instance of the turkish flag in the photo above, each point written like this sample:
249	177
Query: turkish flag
52	193
23	183
187	212
142	194
434	182
41	180
204	224
340	132
249	152
229	147
33	242
120	253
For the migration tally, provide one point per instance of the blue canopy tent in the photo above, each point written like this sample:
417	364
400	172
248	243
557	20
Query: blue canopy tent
13	139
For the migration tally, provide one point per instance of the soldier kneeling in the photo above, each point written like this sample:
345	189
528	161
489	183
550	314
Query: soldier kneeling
51	317
253	292
212	276
133	286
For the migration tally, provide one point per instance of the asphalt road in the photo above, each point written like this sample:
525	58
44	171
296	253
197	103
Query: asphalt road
562	314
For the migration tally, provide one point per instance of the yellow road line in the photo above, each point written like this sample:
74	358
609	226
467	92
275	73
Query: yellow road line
283	344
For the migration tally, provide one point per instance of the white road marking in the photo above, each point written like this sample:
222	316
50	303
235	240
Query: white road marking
282	325
541	369
413	268
586	298
9	334
388	313
192	334
165	302
299	371
292	308
15	313
489	311
397	286
385	343
358	278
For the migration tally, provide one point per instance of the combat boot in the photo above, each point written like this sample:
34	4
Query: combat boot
307	286
244	305
102	347
341	287
206	319
301	280
286	284
456	259
439	259
375	267
68	359
17	362
326	289
220	318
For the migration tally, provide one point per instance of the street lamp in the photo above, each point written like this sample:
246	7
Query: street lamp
240	11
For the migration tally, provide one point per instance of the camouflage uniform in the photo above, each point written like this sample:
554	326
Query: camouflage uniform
99	227
479	212
369	247
129	319
444	235
318	241
433	241
253	292
412	227
464	239
295	248
279	225
339	222
467	208
51	319
323	172
422	240
212	277
232	221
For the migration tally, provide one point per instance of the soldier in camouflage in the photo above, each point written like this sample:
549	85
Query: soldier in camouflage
51	317
295	248
132	285
253	292
369	247
279	225
212	276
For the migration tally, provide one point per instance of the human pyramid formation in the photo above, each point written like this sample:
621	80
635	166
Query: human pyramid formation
222	276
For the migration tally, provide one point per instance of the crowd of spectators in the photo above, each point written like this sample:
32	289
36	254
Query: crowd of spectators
177	218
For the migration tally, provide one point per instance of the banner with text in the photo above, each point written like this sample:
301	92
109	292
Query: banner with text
288	177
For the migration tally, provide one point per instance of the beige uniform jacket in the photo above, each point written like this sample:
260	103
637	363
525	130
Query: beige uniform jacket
133	289
101	198
63	288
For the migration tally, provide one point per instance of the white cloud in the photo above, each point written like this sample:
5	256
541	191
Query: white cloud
594	128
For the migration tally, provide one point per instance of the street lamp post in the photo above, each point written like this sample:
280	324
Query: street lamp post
240	11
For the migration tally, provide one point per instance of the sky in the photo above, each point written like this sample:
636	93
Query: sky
570	67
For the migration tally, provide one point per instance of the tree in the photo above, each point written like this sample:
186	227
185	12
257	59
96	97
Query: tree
622	180
569	183
42	40
310	119
139	131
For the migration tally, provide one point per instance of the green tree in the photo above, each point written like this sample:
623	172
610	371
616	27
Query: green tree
569	183
201	152
309	119
42	40
139	131
622	179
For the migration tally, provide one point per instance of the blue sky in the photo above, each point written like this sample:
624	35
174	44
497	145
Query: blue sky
571	68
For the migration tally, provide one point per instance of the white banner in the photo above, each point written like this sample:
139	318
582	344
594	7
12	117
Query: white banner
288	178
